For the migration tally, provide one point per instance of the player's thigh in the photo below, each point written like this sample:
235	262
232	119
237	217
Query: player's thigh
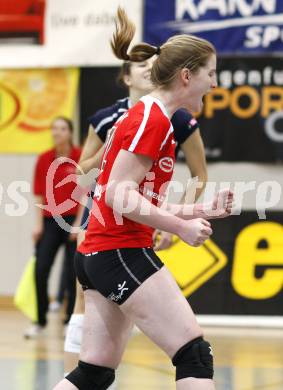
161	311
73	341
80	303
106	330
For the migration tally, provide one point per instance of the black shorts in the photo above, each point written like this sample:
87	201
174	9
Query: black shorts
117	273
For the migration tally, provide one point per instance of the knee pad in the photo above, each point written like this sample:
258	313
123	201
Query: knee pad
73	339
194	359
90	377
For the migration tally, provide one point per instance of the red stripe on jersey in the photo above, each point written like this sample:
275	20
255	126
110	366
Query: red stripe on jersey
141	129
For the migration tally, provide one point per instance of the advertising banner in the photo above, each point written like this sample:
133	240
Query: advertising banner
242	119
237	272
52	33
233	26
29	100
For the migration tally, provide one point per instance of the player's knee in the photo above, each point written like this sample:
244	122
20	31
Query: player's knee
91	377
73	339
194	359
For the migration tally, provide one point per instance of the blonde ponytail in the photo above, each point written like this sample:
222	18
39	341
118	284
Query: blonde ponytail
122	38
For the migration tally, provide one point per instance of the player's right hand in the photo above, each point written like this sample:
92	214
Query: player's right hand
37	234
195	231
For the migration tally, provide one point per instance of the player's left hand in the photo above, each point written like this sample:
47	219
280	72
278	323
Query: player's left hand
74	231
162	240
73	236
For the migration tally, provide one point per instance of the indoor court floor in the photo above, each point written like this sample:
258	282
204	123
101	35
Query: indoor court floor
245	359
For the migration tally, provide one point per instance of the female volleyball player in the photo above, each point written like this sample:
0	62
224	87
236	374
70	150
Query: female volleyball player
136	77
124	281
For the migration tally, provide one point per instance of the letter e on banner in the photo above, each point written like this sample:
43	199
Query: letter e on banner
259	247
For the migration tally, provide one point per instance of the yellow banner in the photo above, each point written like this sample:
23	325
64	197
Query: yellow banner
29	100
192	267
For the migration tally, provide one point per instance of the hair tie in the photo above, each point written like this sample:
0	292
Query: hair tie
158	50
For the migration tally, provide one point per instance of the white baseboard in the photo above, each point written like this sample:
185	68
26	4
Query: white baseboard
241	321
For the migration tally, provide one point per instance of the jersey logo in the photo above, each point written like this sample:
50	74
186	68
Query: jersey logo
166	164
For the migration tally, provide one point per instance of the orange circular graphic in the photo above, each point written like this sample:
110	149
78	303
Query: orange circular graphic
4	122
42	92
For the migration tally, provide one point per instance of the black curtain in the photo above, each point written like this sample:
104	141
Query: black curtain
98	89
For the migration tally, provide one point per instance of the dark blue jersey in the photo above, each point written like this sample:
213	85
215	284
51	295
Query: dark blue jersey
183	123
104	119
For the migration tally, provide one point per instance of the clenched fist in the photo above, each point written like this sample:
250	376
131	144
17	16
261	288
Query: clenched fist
195	231
221	206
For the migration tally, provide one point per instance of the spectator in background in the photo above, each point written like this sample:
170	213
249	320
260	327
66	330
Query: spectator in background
47	235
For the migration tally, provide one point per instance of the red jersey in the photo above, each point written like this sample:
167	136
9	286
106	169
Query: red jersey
144	129
45	183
